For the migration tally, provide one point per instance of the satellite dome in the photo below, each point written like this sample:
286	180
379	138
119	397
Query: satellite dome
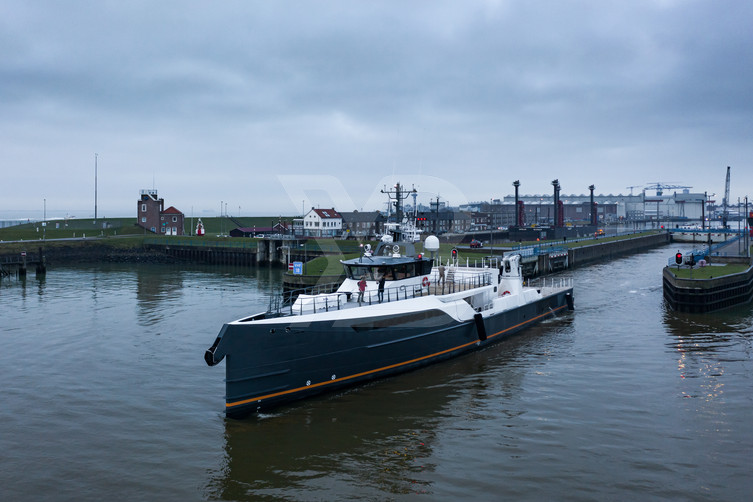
431	243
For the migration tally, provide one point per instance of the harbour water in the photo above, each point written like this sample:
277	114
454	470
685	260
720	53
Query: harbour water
106	396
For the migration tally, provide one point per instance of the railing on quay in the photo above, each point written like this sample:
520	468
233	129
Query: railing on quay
560	245
200	242
702	231
713	250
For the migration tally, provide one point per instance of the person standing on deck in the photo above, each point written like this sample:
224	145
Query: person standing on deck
441	276
381	288
361	288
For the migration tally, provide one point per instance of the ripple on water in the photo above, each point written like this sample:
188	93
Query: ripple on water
105	391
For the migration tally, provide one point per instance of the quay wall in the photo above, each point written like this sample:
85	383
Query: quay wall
614	249
93	252
167	250
216	255
534	266
707	295
275	253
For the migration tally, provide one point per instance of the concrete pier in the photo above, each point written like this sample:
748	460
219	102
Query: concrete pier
18	264
707	295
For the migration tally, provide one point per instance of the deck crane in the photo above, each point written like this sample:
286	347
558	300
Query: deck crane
725	201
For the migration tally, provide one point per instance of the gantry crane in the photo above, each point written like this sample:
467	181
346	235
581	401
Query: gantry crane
660	187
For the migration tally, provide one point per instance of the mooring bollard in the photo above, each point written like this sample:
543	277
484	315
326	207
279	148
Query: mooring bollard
41	267
22	268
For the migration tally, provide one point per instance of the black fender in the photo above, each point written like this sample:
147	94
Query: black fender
480	326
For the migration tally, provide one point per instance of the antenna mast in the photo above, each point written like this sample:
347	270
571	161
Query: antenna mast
95	186
398	194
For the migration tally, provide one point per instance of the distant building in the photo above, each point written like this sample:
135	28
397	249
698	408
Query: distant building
363	225
322	223
677	206
152	215
462	222
444	221
278	229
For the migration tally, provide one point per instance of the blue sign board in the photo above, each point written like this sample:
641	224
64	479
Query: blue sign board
297	268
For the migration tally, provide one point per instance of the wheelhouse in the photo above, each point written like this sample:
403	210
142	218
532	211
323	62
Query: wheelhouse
393	269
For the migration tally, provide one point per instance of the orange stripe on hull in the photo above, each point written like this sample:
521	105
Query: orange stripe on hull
384	368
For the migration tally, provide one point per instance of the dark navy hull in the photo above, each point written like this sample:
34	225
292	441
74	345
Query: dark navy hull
267	366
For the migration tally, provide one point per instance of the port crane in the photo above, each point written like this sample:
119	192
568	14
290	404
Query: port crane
633	186
660	187
725	201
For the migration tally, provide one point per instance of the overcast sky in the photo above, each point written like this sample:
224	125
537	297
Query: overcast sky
273	106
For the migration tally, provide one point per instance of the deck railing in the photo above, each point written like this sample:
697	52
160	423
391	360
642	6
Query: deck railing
545	283
325	298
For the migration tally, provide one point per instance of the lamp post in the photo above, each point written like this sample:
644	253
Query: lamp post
747	229
556	222
739	251
491	230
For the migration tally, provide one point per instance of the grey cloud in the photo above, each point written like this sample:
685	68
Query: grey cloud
608	93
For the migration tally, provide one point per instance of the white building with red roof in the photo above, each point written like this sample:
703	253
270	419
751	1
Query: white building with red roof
322	223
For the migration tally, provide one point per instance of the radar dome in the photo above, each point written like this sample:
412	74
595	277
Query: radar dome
431	243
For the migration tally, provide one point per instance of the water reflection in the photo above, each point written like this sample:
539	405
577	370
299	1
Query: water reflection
377	439
41	284
14	282
709	332
706	344
156	288
164	291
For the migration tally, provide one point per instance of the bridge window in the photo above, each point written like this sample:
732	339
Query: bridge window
357	271
423	267
404	271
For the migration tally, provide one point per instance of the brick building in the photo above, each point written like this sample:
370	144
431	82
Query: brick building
152	215
363	225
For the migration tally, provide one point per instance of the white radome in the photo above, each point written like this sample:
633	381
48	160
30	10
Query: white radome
431	243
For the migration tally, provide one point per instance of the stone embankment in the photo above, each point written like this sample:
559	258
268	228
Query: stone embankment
560	259
96	252
614	249
537	265
102	251
707	295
